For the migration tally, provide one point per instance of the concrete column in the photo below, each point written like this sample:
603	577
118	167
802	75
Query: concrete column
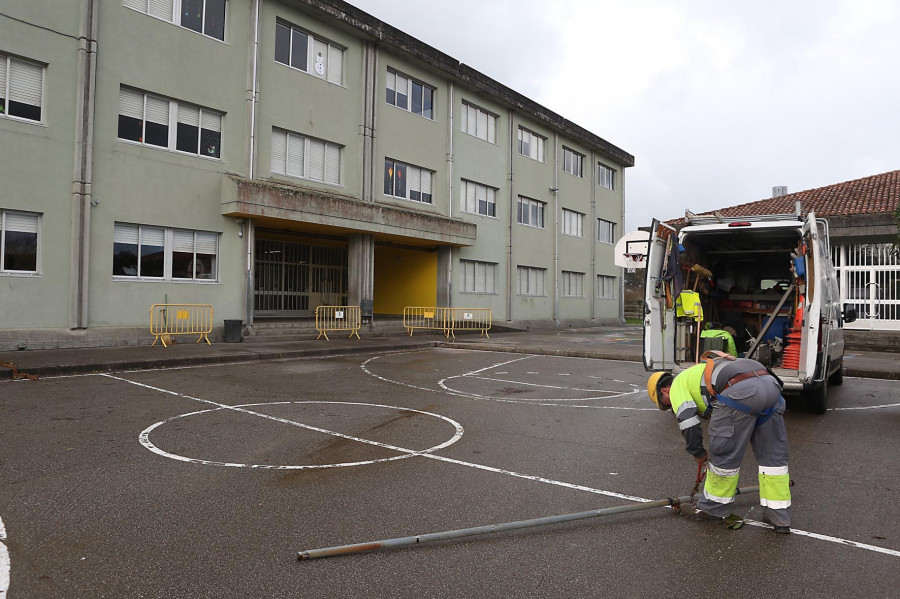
361	269
444	274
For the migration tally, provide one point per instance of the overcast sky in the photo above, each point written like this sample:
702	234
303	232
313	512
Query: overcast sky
717	100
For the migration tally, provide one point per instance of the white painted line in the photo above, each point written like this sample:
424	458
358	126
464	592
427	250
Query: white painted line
512	473
881	407
485	378
145	441
406	453
4	562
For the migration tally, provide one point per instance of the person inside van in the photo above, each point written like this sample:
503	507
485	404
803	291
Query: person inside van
748	410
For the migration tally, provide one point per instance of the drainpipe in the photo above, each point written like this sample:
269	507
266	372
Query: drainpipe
450	192
622	272
512	202
254	89
556	211
594	228
82	197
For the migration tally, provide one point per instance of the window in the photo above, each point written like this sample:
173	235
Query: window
572	284
478	199
479	123
606	231
163	123
606	287
203	16
531	212
572	223
144	252
408	94
531	280
312	55
531	144
407	181
298	156
19	241
21	88
477	277
606	176
573	162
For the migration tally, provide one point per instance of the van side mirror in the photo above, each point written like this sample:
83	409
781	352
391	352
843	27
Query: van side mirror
849	314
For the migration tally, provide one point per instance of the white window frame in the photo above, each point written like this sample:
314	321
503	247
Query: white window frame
412	173
532	279
392	82
607	287
158	10
169	246
5	226
541	208
571	284
213	118
24	88
478	122
289	143
475	196
573	162
478	277
572	223
534	143
606	231
606	176
332	59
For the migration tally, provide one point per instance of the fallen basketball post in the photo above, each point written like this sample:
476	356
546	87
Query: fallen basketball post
480	530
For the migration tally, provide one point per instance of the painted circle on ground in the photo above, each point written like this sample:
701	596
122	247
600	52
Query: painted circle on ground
144	437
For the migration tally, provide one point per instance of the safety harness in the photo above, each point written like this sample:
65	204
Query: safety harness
713	357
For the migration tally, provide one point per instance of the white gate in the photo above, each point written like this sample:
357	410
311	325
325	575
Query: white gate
870	280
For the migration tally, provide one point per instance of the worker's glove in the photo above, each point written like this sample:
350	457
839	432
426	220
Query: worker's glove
709	410
702	459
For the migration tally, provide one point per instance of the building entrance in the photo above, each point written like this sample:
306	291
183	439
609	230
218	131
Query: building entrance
292	279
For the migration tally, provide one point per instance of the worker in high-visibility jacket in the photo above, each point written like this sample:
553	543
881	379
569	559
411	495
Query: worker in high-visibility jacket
748	409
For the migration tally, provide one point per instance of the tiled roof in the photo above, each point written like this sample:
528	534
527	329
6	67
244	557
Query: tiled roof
878	194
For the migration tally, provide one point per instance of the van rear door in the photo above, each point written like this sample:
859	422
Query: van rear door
659	322
814	333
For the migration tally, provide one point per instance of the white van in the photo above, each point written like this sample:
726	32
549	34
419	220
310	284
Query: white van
766	280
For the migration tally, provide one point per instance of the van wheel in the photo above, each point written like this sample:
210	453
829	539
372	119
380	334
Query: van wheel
838	377
816	398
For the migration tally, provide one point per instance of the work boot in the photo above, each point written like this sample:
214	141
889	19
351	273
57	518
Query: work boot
780	529
690	510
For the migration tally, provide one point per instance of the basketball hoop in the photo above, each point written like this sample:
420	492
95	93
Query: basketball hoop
634	261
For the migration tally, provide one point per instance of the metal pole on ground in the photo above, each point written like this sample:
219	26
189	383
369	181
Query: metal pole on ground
479	530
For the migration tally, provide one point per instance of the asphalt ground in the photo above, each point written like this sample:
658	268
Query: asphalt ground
206	481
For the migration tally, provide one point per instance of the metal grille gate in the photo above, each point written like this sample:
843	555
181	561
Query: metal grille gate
870	280
292	279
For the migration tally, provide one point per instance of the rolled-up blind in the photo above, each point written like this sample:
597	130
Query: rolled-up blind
152	236
332	163
157	110
126	234
182	241
22	223
207	242
26	82
131	103
279	151
296	155
316	160
211	121
163	9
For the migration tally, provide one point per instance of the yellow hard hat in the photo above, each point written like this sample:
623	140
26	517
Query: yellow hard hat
653	384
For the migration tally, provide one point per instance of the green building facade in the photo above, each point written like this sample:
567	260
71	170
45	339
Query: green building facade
270	156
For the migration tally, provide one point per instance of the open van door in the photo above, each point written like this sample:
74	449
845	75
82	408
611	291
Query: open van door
659	321
814	333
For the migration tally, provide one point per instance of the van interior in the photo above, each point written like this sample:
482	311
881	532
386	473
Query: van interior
741	277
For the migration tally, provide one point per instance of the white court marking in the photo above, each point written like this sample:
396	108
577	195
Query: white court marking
4	562
539	401
408	453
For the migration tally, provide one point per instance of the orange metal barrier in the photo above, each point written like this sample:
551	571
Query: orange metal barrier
419	317
469	319
337	318
167	320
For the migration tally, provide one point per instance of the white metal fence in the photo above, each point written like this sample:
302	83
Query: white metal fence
869	275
